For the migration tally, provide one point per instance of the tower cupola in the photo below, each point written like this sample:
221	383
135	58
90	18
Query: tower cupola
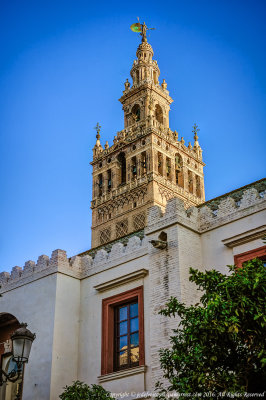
145	69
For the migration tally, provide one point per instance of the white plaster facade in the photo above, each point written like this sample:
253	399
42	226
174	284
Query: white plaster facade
61	298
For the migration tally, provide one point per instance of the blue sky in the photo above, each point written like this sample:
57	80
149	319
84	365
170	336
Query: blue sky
63	65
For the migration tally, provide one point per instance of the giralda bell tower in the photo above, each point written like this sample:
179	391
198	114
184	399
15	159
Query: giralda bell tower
147	164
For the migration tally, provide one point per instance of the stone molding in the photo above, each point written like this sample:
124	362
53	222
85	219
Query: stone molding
245	237
141	273
122	374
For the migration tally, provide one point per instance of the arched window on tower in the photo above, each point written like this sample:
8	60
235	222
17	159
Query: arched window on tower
136	113
122	161
179	176
159	113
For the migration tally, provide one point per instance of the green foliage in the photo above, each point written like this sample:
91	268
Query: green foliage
82	391
219	344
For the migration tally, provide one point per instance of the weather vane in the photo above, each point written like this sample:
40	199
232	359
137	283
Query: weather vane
142	29
195	131
98	128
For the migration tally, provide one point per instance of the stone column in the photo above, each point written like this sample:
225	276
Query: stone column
172	172
164	165
185	176
105	181
128	169
154	160
149	161
202	191
194	184
138	158
116	175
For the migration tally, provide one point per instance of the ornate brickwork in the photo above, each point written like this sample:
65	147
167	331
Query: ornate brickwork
105	236
139	221
146	165
121	228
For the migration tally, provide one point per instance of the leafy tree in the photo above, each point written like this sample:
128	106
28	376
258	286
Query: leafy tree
82	391
219	344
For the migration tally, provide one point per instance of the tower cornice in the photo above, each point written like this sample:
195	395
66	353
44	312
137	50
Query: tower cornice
149	88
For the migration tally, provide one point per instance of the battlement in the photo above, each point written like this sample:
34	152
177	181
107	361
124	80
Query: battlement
79	266
213	213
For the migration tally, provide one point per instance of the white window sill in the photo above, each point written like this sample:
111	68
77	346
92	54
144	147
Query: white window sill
122	374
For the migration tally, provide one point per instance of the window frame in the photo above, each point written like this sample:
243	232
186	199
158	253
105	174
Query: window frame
259	252
117	336
108	328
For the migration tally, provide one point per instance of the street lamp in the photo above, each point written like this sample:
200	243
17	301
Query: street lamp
22	340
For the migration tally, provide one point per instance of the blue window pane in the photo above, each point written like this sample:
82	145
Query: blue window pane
134	339
133	310
134	324
122	328
122	313
123	343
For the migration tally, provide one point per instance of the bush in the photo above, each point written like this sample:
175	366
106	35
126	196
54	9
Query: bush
219	345
82	391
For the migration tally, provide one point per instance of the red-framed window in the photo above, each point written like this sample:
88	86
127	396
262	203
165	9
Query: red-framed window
260	252
123	331
126	340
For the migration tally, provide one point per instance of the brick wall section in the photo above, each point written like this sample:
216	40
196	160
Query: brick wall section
169	271
169	268
164	283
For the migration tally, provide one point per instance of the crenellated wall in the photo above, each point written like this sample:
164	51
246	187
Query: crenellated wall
211	214
79	267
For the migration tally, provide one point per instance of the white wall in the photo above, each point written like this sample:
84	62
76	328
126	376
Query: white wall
91	324
66	334
216	254
34	304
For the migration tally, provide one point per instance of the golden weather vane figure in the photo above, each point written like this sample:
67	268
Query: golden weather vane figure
98	128
142	29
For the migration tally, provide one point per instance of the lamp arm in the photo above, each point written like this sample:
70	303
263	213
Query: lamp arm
11	376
